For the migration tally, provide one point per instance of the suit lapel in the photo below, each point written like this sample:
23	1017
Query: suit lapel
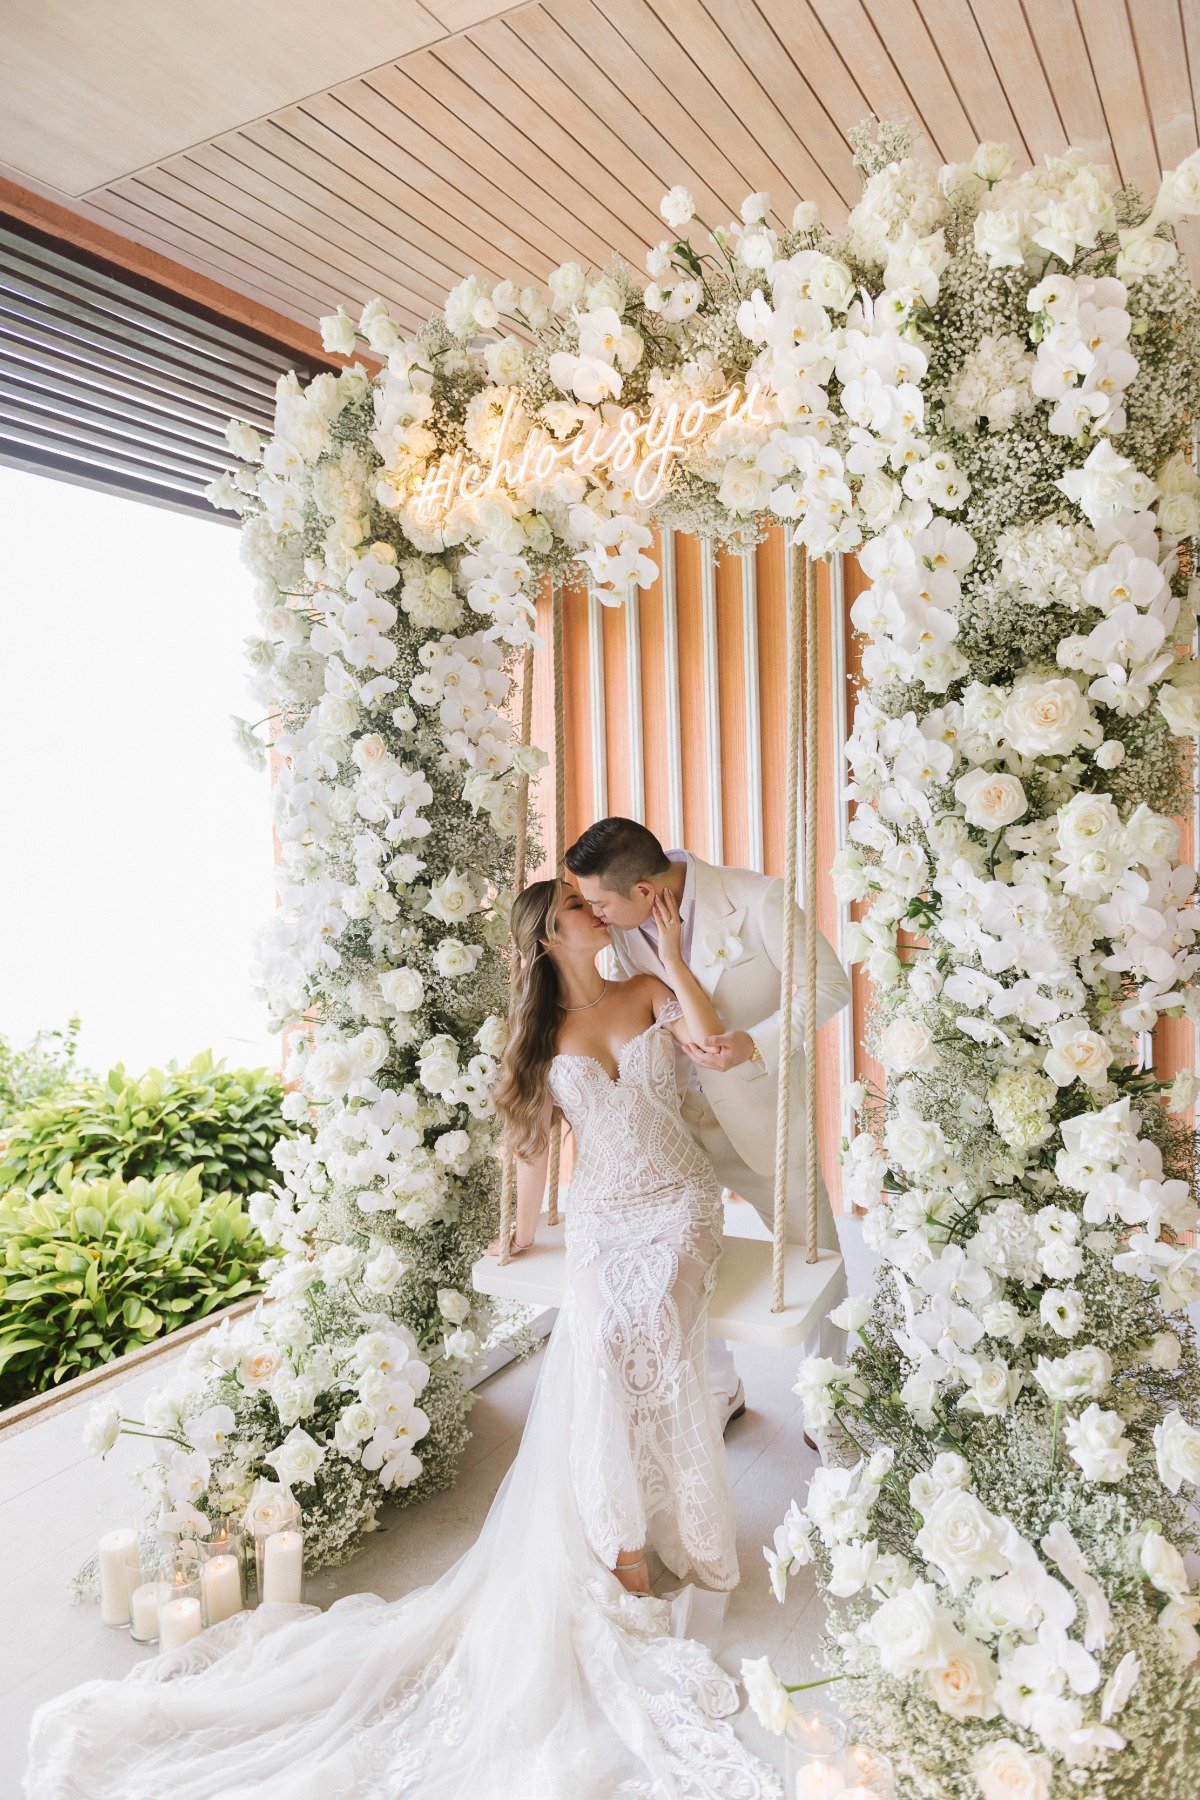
714	917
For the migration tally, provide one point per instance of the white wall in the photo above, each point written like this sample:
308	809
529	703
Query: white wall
135	840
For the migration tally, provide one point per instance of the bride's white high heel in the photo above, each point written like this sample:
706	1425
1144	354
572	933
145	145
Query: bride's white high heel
634	1585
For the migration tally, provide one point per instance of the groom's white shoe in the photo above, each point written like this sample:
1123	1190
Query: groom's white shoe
735	1406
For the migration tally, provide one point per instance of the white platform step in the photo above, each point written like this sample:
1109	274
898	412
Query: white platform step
740	1309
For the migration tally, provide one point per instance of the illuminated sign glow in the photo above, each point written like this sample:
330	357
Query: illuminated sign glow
650	443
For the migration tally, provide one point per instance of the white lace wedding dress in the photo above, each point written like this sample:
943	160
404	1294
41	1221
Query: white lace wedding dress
526	1672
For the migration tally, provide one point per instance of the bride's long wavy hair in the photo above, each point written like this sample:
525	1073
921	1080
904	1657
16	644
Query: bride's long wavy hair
535	1014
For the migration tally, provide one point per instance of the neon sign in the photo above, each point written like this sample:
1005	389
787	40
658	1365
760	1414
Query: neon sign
648	442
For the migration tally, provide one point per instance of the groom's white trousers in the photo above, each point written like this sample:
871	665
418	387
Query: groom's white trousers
759	1190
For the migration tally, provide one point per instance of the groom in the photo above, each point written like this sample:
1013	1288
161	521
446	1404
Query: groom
732	938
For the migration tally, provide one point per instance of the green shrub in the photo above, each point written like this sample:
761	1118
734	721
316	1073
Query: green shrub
223	1122
31	1071
92	1269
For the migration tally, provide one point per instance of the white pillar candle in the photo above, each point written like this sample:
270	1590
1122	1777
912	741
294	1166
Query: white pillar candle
820	1781
143	1606
118	1554
221	1588
178	1622
283	1566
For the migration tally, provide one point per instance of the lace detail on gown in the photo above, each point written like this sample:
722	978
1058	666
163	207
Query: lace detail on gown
526	1672
643	1235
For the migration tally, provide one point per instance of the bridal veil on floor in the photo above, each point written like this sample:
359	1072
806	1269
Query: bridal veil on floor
525	1673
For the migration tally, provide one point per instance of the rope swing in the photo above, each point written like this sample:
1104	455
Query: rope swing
802	717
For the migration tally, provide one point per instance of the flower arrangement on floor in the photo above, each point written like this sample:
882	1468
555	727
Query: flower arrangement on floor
1014	1440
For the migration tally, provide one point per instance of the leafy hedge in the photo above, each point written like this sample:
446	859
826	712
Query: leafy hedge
222	1122
92	1269
31	1071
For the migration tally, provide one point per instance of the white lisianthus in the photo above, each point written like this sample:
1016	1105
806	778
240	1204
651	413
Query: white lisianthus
769	1699
1083	1374
453	1306
1177	1448
852	1314
1163	1566
677	207
102	1429
453	958
460	1344
990	798
339	333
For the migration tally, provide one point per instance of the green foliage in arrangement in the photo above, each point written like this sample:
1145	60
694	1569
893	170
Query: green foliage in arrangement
29	1072
90	1269
221	1122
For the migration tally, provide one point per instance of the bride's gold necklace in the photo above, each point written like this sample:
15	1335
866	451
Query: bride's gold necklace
588	1004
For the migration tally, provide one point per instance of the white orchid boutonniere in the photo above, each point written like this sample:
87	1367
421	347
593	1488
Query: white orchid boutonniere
723	948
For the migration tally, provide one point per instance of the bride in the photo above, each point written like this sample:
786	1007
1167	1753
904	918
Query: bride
539	1667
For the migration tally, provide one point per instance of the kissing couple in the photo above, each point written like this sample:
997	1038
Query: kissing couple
540	1666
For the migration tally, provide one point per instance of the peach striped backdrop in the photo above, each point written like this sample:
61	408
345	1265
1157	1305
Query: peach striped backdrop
675	714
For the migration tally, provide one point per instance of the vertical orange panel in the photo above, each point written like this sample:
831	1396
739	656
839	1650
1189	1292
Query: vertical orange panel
616	707
731	671
691	694
654	706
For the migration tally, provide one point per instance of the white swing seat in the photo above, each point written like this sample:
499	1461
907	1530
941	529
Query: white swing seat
739	1309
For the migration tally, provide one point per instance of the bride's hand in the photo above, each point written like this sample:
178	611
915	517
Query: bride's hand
670	926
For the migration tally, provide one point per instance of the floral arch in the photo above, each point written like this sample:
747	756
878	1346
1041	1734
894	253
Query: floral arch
983	386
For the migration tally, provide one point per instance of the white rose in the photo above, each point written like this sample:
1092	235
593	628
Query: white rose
1179	515
1180	707
962	1539
907	1045
402	988
677	207
258	1364
1177	1621
769	1699
911	1631
964	1683
370	1049
1163	1566
492	1035
806	217
453	898
461	1344
916	1144
452	1305
1164	1351
852	1314
383	1271
990	799
1110	755
270	1507
329	1071
338	1261
1097	1442
1005	1771
339	333
1143	258
452	957
1177	1448
991	162
297	1459
998	237
1077	1053
567	285
1046	718
1179	192
1084	1374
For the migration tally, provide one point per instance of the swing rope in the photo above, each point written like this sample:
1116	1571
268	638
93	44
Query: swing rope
802	678
560	852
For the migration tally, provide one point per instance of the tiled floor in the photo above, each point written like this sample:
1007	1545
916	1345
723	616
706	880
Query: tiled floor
55	1501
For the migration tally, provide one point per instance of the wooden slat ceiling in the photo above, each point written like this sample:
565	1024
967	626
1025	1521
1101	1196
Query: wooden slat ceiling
508	142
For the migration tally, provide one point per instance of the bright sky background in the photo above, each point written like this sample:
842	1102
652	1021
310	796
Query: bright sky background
136	840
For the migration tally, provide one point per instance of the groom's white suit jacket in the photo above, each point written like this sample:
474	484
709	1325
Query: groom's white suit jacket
736	955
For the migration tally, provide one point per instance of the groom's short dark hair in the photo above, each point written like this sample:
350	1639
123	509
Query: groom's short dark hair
619	852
